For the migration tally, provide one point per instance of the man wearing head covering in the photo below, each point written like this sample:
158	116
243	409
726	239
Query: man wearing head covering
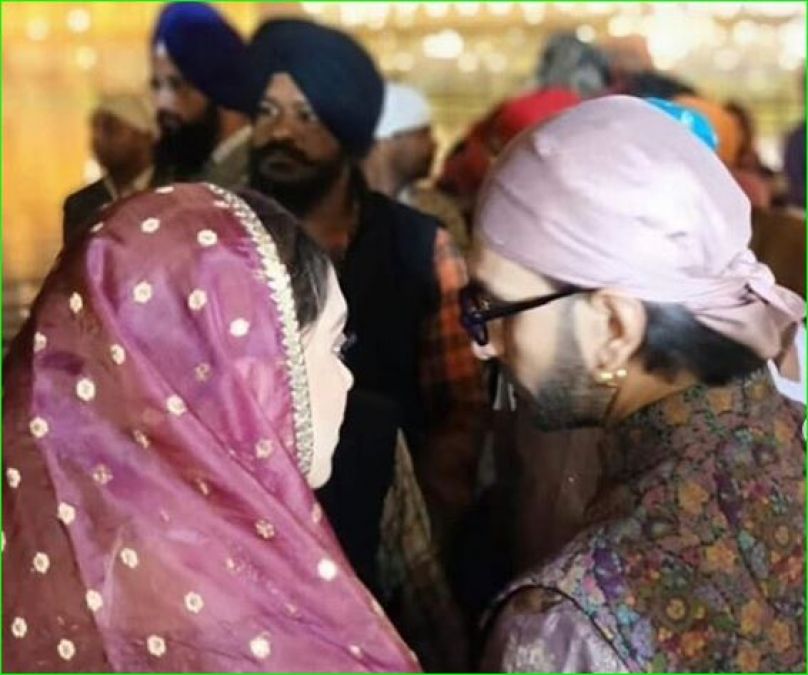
570	63
318	101
401	158
201	91
123	135
614	283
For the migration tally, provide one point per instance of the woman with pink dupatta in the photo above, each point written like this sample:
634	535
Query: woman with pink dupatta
163	431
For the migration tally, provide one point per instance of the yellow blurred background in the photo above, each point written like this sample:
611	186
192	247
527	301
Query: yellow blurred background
57	57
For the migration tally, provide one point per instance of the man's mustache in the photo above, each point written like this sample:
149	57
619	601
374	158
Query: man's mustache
282	151
169	122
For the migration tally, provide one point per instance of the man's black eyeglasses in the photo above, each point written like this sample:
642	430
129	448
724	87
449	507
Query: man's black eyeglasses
476	311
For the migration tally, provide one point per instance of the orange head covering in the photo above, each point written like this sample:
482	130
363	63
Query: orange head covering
726	126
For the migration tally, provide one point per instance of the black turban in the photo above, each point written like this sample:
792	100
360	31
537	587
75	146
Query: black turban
337	76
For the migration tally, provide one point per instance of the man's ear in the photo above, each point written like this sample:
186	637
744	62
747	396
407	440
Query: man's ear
624	322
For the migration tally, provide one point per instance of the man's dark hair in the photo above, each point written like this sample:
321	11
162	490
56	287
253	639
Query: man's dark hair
650	83
675	342
305	261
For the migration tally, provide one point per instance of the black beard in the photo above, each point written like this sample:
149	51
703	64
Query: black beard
567	398
300	195
182	151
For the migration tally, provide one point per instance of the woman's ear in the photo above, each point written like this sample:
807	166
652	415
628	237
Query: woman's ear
623	320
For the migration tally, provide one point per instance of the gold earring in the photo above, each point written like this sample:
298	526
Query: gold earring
609	379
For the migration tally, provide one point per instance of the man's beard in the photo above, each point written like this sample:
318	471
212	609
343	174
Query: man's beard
567	397
299	194
184	147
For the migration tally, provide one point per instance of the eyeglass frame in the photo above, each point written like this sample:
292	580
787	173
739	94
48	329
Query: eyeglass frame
475	320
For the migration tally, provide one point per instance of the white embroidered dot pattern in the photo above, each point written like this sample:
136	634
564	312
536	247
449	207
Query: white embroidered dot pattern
202	372
40	342
207	238
263	448
141	439
376	607
66	649
194	603
165	190
118	354
13	477
97	228
239	327
150	226
327	569
76	303
19	628
94	600
175	405
101	474
142	293
203	486
85	389
265	529
261	647
220	204
316	514
355	650
197	300
38	427
129	558
156	645
66	513
41	563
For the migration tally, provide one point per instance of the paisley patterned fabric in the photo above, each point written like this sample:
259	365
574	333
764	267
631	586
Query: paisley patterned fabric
694	557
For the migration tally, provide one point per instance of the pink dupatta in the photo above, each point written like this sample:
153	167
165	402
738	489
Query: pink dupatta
157	433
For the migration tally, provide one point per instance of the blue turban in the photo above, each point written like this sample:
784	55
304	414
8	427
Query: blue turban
337	76
209	53
692	119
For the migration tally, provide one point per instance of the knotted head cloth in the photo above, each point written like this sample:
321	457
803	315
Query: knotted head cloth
615	193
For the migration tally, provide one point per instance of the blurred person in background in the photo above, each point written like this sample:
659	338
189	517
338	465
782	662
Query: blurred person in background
794	167
568	70
402	156
732	142
794	158
200	88
123	133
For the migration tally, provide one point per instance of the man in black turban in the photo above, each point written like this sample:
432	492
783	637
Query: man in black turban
318	99
202	96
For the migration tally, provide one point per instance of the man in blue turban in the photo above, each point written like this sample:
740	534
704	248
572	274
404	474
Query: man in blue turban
201	93
318	97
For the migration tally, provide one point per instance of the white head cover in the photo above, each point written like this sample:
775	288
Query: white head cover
132	108
404	109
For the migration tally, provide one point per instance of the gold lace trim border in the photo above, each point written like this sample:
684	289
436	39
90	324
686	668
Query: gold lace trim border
275	274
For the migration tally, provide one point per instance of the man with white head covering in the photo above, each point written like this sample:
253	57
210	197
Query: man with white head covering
123	134
402	157
614	282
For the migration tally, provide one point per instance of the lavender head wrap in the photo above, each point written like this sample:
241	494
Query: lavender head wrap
616	194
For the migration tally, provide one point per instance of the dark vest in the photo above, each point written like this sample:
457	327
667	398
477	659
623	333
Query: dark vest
389	283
